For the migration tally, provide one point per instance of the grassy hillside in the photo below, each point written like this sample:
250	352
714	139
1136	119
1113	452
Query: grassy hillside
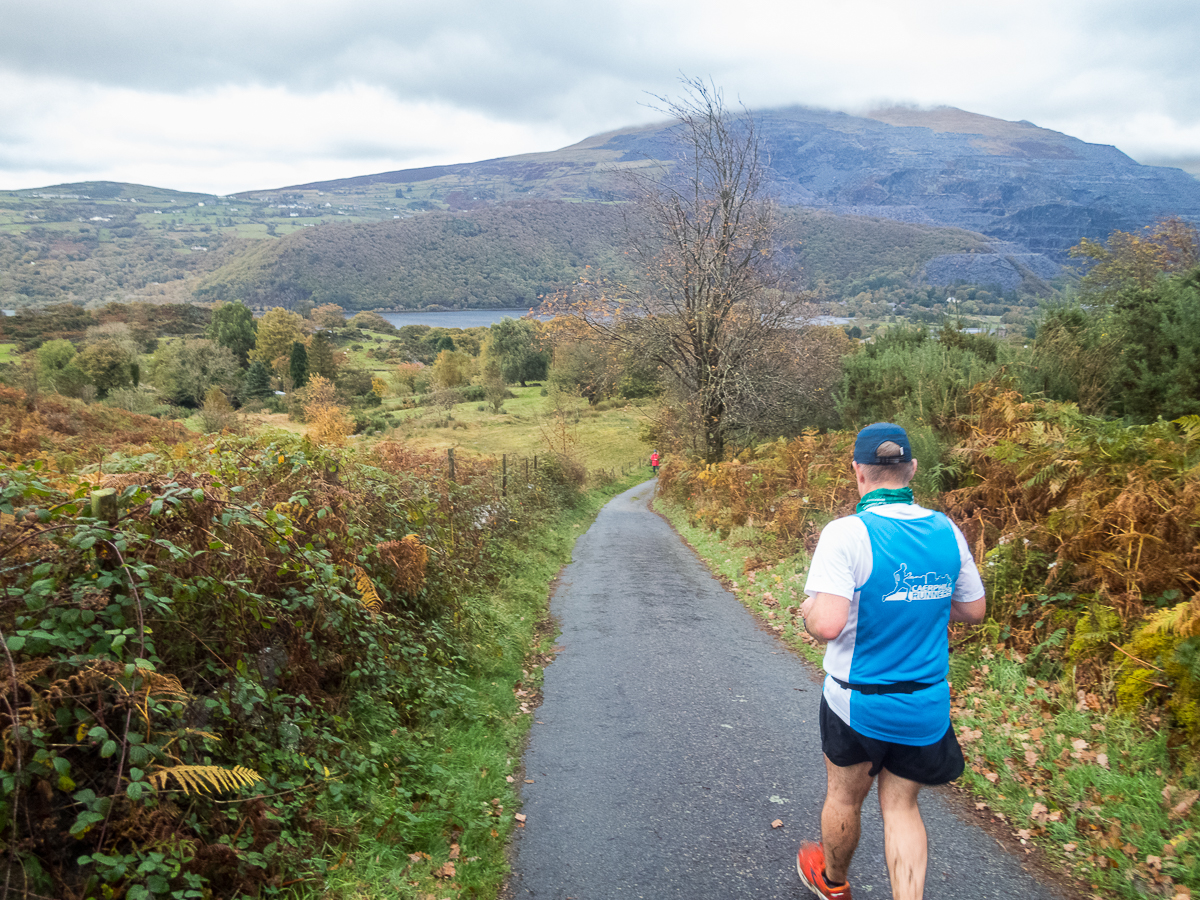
496	257
365	248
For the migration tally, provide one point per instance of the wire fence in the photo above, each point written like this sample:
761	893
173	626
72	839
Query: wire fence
514	466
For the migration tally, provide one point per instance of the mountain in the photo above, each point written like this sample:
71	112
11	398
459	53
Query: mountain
1011	181
883	207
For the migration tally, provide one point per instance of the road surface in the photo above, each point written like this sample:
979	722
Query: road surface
675	729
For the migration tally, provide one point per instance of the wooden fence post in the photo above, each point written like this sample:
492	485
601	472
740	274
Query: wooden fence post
504	475
104	508
450	456
104	505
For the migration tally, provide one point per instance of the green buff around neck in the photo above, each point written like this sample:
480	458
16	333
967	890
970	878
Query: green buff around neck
880	496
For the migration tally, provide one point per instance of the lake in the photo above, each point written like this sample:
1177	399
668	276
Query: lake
454	318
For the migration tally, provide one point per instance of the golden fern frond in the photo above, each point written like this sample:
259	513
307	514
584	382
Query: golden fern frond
203	734
199	779
1190	425
302	515
159	685
1182	618
366	588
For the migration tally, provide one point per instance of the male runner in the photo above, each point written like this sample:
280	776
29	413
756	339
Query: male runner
882	587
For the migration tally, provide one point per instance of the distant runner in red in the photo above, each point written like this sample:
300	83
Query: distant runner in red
654	462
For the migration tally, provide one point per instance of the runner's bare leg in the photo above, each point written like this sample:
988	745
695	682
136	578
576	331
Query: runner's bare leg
840	817
904	842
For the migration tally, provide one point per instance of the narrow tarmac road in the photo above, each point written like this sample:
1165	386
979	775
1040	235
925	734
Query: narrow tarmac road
675	729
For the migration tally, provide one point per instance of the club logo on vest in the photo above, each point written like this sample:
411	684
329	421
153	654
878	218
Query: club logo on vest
929	586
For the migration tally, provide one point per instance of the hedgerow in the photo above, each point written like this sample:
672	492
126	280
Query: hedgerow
180	691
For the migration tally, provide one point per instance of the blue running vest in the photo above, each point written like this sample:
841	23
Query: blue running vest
903	611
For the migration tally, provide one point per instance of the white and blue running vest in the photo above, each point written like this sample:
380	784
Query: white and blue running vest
900	618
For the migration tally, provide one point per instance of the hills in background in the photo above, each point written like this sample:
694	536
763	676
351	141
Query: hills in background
876	208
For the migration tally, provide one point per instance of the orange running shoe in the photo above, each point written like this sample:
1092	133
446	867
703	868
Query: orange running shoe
810	865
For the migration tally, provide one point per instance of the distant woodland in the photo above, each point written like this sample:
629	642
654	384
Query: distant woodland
495	256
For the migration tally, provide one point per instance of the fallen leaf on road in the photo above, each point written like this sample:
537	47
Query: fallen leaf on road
778	823
520	817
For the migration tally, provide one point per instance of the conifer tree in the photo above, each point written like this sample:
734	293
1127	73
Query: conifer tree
320	357
298	367
233	326
257	383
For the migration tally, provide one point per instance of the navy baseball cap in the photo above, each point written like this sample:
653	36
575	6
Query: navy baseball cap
866	445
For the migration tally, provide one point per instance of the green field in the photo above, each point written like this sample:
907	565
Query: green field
601	439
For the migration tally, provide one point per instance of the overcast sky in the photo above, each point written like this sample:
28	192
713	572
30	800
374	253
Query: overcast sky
231	95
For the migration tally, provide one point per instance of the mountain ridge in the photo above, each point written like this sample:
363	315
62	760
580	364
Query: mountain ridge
994	203
1012	181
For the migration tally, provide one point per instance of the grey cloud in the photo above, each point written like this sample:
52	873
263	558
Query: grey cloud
1190	164
519	60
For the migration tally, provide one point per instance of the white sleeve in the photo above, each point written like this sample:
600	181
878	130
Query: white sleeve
842	560
969	586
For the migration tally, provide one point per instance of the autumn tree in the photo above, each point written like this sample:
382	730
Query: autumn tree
185	371
107	366
452	368
328	315
328	422
372	321
707	309
278	329
232	325
491	376
216	414
58	370
1132	346
410	377
518	345
1128	264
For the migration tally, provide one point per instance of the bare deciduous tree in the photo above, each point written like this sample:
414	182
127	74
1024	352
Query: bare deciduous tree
708	310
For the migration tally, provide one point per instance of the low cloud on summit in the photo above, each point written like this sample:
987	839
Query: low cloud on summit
227	96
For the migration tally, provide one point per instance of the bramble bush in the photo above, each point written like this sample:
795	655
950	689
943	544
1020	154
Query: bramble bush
182	681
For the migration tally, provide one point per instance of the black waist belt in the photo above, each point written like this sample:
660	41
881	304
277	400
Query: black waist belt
900	687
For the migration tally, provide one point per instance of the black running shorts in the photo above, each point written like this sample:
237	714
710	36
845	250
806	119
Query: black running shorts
936	763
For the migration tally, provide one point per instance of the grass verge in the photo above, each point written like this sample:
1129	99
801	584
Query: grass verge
1095	792
444	802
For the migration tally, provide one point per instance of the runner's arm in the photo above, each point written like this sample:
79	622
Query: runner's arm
825	615
971	612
